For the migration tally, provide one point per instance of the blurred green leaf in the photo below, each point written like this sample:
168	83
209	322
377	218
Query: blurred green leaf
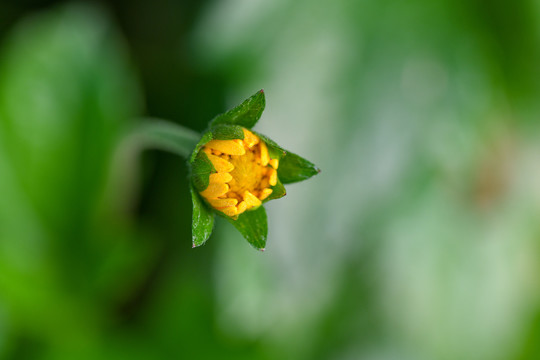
66	92
203	220
253	226
294	168
246	114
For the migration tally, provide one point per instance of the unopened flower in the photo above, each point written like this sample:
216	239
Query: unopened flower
236	170
245	174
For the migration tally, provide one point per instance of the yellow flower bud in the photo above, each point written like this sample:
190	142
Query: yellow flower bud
245	173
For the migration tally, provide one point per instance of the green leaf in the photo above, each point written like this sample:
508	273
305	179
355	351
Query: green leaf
227	132
203	220
246	114
252	225
293	168
168	136
201	169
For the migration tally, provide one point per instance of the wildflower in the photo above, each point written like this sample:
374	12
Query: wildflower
244	174
235	170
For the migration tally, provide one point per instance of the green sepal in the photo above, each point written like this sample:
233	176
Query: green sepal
274	150
219	132
294	168
278	191
203	220
253	226
201	168
227	132
246	114
204	140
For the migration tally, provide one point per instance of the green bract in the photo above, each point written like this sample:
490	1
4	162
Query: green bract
229	140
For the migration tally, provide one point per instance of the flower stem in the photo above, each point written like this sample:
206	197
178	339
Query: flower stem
165	135
123	182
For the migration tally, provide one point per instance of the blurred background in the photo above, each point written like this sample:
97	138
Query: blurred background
419	240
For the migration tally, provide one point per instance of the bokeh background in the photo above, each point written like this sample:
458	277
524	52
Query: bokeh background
420	240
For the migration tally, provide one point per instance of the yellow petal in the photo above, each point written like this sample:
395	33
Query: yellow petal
265	193
221	203
264	154
220	178
272	177
250	139
215	190
221	165
230	147
241	207
229	210
274	163
251	200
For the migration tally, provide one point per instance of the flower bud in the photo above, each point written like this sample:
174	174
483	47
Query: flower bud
245	174
235	170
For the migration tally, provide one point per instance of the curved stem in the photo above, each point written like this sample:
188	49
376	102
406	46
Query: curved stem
165	135
123	179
